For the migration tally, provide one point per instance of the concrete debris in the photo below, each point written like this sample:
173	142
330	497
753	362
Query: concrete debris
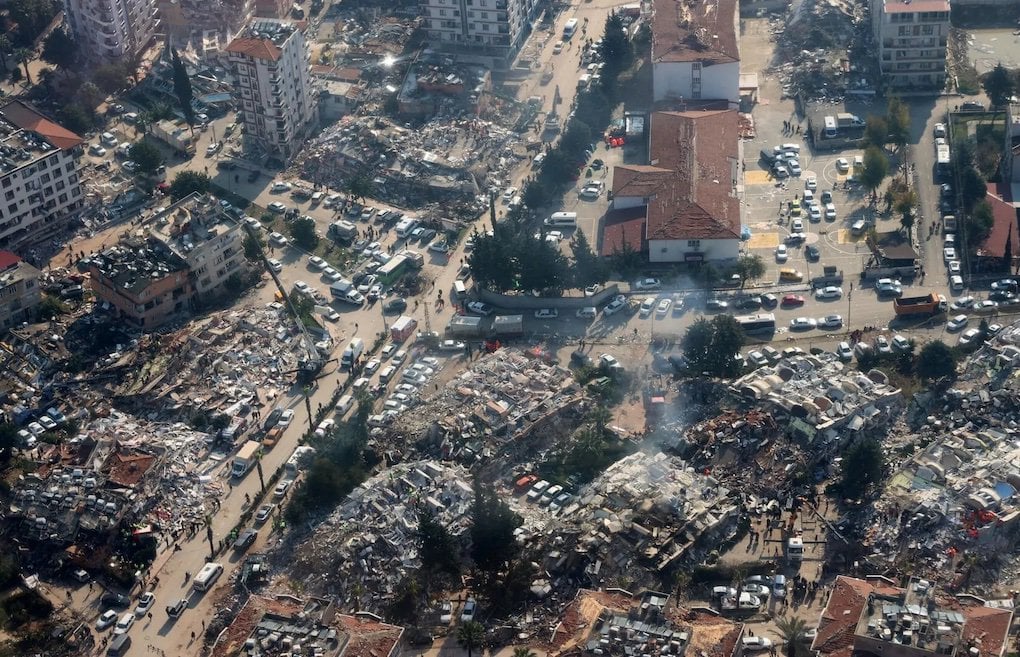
369	543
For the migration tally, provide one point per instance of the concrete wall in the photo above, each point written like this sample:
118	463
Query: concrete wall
529	302
675	250
673	80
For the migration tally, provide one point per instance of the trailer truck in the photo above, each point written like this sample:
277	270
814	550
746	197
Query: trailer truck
246	458
929	304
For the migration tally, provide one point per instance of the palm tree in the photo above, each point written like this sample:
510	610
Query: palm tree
23	56
793	632
524	651
5	47
470	635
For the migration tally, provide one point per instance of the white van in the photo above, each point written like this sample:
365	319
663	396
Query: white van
562	220
459	290
345	404
830	127
405	226
207	576
355	348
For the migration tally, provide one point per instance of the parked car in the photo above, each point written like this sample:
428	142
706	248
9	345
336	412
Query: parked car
829	292
106	620
803	323
245	540
957	323
479	308
616	305
648	284
547	313
145	603
264	512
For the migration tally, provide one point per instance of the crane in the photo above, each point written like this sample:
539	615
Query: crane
312	363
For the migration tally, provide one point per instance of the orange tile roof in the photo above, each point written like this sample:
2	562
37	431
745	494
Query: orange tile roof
257	48
693	155
987	628
1004	226
128	469
621	227
843	611
704	31
369	638
28	118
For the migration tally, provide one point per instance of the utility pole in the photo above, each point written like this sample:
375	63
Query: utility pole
209	535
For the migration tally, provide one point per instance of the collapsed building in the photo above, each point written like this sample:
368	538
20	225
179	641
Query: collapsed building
438	87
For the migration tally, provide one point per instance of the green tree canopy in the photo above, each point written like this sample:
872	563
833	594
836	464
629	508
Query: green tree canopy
709	345
60	49
493	523
187	182
302	230
793	632
979	223
615	49
876	131
876	168
182	87
438	548
146	156
588	269
863	467
750	267
8	441
898	119
111	78
470	636
936	360
972	188
253	247
998	84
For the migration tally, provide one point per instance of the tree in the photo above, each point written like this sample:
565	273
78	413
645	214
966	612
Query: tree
253	247
524	651
90	95
492	260
470	636
303	232
709	346
60	50
23	56
111	78
493	523
589	269
5	49
31	17
76	118
8	441
358	187
182	88
876	131
436	544
935	361
51	307
863	467
978	224
615	49
905	203
750	267
898	119
188	182
998	84
535	194
876	168
972	188
146	156
793	632
1007	253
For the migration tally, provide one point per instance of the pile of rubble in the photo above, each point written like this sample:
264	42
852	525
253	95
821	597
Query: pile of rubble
369	543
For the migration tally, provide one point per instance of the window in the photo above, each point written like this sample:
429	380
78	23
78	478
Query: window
62	198
12	208
7	182
904	30
9	196
60	185
693	244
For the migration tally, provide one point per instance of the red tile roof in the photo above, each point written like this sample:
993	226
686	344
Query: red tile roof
369	638
900	7
126	469
1005	224
695	31
987	628
257	48
8	259
842	612
694	156
621	227
28	118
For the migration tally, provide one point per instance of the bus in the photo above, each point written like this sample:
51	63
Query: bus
569	29
760	323
206	577
392	270
942	163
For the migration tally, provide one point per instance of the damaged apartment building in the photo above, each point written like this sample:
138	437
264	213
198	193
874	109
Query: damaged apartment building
200	21
185	256
435	86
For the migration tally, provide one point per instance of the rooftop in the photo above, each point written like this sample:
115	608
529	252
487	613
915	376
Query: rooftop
133	265
690	180
368	636
1004	228
27	136
263	39
688	31
908	6
623	227
190	222
282	625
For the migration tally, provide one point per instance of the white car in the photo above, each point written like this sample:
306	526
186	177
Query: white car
279	187
97	150
547	313
811	183
969	337
325	427
781	253
829	292
830	212
963	302
794	167
281	489
278	239
108	618
797	226
779	171
949	254
317	263
882	345
831	321
616	305
371	366
145	603
647	306
663	307
758	358
275	265
331	275
843	351
803	323
751	643
509	193
814	212
130	166
940	129
213	148
124	624
842	165
277	207
302	287
286	418
47	422
648	284
609	361
953	266
479	308
956	323
900	343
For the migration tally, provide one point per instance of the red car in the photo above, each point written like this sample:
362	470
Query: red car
793	300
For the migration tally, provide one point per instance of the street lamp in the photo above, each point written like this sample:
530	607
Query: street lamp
849	307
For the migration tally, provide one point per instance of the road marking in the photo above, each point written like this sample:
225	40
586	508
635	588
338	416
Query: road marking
757	178
763	241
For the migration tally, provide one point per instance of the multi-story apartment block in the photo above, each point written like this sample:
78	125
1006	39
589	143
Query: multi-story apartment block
492	29
19	291
109	30
184	18
911	37
39	183
277	104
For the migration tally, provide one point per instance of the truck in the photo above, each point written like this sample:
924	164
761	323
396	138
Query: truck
508	325
942	162
848	120
344	290
174	134
929	304
342	231
569	29
403	328
465	326
830	276
246	458
949	223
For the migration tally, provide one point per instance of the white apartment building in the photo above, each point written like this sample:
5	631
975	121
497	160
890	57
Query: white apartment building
277	104
911	37
39	182
108	30
493	29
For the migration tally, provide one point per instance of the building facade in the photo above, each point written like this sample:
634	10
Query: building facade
145	286
278	105
695	51
494	29
40	188
19	291
109	30
911	37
